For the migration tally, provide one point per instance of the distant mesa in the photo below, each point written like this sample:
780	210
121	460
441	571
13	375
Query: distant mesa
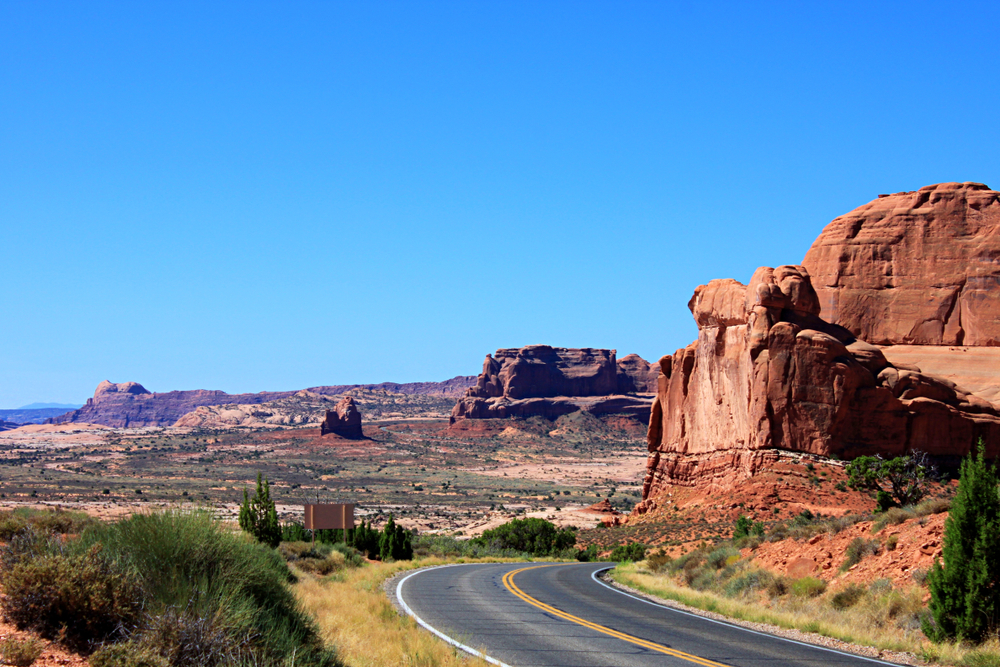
130	405
917	272
545	381
344	420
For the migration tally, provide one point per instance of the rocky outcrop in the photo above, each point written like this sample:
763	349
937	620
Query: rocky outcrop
636	375
344	420
540	380
914	268
767	374
129	404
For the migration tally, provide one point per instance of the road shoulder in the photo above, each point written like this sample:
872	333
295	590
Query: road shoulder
813	638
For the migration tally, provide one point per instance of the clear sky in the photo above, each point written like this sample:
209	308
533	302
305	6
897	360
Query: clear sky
279	195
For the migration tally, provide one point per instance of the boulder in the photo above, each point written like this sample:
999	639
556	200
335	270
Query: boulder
914	268
344	420
767	373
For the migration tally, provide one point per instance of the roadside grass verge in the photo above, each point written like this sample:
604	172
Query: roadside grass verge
878	616
354	614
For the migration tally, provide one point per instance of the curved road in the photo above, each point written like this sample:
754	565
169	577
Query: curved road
560	615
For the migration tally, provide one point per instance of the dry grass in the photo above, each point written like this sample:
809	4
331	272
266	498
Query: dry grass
883	620
355	616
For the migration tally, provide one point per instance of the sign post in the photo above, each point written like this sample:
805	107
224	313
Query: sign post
329	516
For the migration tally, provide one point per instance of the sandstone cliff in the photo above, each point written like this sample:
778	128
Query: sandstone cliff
540	380
914	268
129	404
768	374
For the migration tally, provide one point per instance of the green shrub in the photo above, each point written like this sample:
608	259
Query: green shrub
535	536
858	550
748	582
11	525
847	597
702	579
892	517
658	561
587	555
720	557
127	654
631	553
47	520
446	545
808	587
891	542
21	652
87	597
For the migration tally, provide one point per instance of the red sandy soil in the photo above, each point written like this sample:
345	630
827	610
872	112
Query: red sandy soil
53	655
918	544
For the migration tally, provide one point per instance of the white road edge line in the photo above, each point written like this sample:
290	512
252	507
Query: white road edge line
424	624
593	575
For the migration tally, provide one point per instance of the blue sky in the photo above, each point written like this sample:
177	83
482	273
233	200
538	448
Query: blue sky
273	196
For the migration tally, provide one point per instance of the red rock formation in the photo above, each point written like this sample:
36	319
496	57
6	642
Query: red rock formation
539	380
767	374
129	404
636	375
344	420
914	267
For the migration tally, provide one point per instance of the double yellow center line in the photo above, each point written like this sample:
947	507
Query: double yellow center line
508	582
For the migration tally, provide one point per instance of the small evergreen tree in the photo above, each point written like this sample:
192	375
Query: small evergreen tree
258	515
965	590
395	542
906	476
365	539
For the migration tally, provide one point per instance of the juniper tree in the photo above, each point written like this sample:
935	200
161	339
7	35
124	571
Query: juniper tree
965	588
258	515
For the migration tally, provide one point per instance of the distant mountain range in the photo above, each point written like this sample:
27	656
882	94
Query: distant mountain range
35	415
46	406
129	404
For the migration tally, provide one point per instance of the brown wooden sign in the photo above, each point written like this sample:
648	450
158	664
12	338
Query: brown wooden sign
324	517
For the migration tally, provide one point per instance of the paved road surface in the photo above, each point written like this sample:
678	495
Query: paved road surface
526	615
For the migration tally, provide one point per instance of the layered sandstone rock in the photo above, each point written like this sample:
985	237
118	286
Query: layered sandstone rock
540	380
914	268
344	420
767	374
636	375
129	404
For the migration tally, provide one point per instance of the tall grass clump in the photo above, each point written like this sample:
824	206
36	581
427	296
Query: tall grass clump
223	597
166	589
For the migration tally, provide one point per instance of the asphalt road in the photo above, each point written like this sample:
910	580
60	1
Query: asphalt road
528	615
